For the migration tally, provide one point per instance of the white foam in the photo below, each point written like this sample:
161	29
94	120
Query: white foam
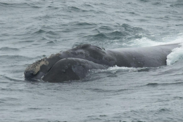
125	69
175	55
144	42
115	69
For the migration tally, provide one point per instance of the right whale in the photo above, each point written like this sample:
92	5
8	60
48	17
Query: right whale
75	63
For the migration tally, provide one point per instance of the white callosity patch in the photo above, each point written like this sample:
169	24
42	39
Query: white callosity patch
35	67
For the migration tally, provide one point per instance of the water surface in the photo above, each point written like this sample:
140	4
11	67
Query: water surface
31	30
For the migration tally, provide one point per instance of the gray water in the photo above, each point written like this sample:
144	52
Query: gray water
33	29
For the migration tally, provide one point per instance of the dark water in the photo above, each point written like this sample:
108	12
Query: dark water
32	29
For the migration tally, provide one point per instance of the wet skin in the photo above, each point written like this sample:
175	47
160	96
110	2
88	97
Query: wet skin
75	63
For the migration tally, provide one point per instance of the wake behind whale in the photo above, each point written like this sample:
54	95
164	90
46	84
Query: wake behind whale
75	63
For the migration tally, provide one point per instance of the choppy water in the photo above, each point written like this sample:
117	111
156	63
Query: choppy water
32	29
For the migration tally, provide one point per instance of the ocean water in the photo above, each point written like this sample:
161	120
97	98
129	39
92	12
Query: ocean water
33	29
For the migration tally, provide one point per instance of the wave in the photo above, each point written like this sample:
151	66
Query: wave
163	84
8	49
144	42
122	33
14	5
116	69
76	9
177	4
6	4
106	90
10	79
144	0
10	57
77	25
173	57
20	4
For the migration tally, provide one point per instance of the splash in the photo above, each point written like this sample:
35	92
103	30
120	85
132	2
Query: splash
124	69
144	42
115	69
175	55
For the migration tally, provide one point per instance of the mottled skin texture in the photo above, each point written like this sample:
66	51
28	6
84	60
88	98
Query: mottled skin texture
74	64
70	69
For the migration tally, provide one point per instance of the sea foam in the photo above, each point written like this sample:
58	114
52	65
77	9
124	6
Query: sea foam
177	53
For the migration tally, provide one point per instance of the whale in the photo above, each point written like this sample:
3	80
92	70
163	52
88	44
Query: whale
75	63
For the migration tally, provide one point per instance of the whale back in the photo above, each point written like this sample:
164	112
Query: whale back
154	56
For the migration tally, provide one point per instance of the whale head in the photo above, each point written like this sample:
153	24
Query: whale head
36	70
41	67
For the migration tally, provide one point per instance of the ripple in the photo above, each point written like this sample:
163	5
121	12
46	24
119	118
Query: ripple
152	84
79	26
10	89
34	109
75	9
8	99
85	24
8	49
177	4
10	57
105	28
88	5
130	28
157	3
104	90
120	32
24	4
14	5
51	33
11	79
163	110
163	84
116	35
179	98
51	42
97	37
144	1
40	31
